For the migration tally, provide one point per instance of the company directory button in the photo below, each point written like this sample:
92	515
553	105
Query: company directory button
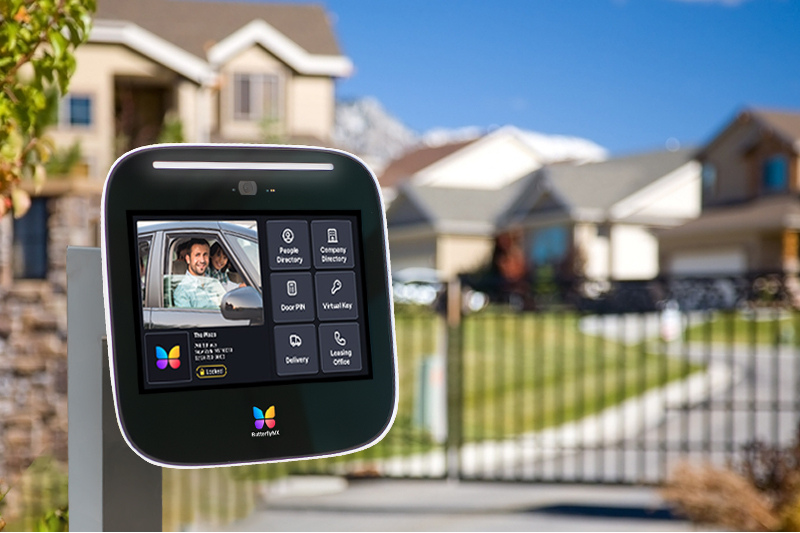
292	297
340	347
296	350
336	295
332	242
288	245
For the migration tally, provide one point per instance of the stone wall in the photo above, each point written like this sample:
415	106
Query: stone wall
33	339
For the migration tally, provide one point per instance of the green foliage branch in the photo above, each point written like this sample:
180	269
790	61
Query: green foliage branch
37	44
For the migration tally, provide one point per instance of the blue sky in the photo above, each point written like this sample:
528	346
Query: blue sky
627	74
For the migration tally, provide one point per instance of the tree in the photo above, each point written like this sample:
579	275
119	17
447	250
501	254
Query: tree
37	44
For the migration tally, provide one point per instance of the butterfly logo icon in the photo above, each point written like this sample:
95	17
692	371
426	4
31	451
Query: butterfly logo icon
264	418
163	360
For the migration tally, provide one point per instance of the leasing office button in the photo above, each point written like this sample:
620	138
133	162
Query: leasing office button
340	347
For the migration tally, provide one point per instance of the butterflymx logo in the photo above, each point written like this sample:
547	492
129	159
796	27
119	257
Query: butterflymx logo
171	359
265	421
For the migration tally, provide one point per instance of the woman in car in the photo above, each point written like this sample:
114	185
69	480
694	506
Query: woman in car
219	268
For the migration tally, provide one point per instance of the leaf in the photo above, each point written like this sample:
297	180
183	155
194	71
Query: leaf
39	177
20	203
58	42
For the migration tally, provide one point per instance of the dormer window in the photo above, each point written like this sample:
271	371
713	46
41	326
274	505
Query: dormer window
775	174
255	97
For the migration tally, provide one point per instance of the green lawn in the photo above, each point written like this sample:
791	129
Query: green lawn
527	372
768	326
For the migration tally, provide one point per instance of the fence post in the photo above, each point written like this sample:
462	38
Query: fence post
455	381
110	487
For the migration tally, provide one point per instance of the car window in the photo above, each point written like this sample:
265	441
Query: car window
251	251
144	260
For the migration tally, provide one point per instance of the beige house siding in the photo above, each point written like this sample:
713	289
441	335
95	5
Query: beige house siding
634	253
462	253
310	107
732	183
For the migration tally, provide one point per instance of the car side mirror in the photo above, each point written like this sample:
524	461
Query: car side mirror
243	303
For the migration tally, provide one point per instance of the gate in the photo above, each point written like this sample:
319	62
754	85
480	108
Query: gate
575	393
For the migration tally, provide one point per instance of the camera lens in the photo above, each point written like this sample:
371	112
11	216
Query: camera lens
247	188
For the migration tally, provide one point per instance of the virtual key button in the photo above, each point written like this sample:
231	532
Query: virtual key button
296	350
340	347
336	295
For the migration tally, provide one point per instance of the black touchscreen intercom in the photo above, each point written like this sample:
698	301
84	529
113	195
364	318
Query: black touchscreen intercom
248	303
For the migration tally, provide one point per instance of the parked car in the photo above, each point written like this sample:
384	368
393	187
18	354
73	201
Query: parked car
162	270
417	285
426	286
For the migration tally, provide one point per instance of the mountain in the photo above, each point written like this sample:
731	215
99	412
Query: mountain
365	128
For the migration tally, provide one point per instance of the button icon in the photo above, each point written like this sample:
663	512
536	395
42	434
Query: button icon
341	341
287	235
336	287
291	287
295	341
333	236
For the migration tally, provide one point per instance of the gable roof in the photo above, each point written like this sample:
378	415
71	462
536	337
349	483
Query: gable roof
449	209
413	161
594	187
784	124
212	31
490	161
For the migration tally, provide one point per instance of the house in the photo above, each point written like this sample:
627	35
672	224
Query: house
444	228
152	69
489	161
224	71
445	198
598	220
750	204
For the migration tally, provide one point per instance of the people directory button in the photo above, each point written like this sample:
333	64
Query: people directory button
288	245
336	295
296	350
333	243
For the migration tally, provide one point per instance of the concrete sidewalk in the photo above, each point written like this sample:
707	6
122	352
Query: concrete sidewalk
433	505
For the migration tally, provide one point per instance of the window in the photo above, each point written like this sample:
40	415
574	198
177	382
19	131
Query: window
709	176
76	110
255	96
549	245
30	242
775	174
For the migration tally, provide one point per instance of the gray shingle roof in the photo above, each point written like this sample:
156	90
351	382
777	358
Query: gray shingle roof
595	185
454	210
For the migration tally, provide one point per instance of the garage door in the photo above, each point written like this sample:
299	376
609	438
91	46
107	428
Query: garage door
709	262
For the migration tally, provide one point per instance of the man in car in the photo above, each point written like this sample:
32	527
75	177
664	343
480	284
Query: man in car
196	290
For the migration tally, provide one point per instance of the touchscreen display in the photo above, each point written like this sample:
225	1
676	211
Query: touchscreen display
270	298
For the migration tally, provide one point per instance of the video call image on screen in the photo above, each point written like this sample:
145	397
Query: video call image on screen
211	316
